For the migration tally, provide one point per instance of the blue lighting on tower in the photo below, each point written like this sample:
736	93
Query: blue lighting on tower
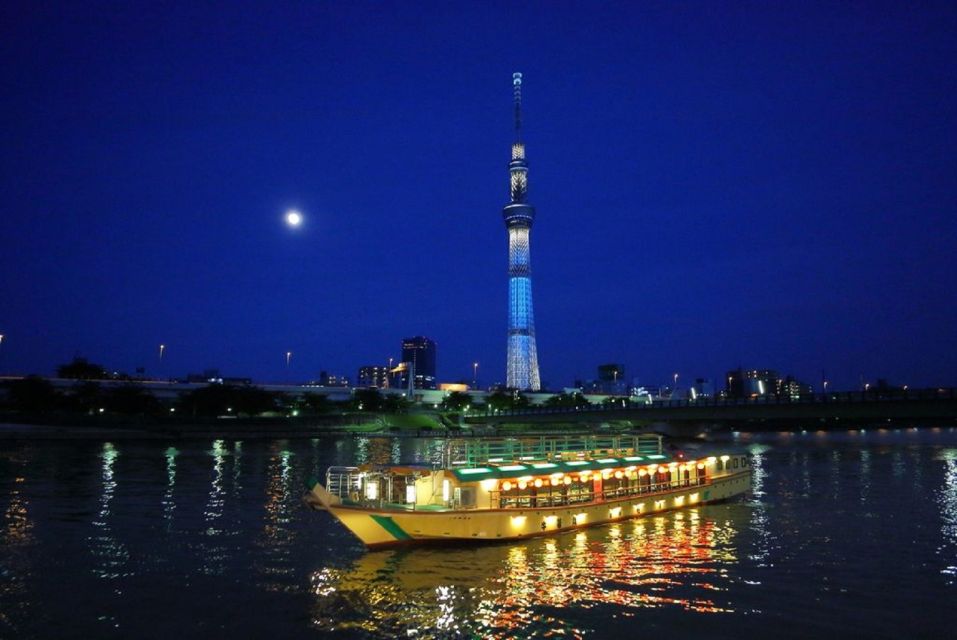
519	215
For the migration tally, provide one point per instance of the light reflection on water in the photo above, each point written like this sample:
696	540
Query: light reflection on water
110	553
198	539
676	560
16	539
948	508
169	503
277	538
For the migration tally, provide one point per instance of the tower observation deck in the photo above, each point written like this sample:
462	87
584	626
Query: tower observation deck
518	215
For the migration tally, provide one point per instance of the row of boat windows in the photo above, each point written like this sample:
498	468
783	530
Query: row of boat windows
594	491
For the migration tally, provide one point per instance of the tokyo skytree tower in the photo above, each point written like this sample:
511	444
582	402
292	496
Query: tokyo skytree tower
519	215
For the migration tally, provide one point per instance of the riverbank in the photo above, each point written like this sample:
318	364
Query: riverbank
72	427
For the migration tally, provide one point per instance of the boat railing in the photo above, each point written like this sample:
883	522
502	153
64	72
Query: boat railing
476	451
342	481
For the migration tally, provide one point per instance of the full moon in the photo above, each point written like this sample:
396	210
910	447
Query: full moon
293	218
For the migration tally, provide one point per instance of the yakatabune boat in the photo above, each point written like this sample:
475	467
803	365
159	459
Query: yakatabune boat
510	488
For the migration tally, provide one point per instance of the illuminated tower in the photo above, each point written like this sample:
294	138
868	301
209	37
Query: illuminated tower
519	215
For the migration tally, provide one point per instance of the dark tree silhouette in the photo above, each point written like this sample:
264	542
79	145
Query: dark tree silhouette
219	400
81	369
32	394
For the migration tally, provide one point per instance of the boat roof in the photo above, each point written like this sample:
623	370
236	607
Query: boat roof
540	468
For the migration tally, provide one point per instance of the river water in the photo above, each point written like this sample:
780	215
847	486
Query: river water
850	533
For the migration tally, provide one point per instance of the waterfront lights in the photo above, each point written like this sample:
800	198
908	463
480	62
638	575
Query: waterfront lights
615	512
518	521
538	483
680	500
725	458
694	497
506	486
489	485
567	480
522	484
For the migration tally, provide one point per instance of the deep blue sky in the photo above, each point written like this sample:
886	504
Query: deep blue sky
763	184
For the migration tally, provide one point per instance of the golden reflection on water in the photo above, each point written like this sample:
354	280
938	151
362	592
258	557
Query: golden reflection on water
277	536
16	541
17	526
677	560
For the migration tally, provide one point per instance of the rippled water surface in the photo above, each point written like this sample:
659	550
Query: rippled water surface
849	533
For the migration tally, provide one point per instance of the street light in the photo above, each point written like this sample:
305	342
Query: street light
474	374
676	381
162	349
288	358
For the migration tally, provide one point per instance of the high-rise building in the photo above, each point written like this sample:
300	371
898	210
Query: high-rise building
327	379
374	376
418	351
749	383
522	366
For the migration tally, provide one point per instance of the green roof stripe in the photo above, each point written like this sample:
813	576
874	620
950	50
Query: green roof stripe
518	470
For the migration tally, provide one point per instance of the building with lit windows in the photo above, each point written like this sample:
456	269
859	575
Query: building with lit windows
418	353
374	376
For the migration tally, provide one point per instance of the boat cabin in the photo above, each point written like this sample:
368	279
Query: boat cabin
522	473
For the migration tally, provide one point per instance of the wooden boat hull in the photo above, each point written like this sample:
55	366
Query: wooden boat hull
378	528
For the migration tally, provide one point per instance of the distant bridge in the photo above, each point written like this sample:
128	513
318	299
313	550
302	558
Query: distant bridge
931	407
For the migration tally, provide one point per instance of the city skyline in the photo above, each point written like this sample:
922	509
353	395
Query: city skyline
769	187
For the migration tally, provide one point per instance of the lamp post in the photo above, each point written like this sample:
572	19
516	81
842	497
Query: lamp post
474	374
288	358
162	349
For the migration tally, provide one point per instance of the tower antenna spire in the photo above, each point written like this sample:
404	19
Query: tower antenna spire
518	214
517	91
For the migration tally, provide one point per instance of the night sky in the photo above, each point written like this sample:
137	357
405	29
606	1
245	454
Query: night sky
771	185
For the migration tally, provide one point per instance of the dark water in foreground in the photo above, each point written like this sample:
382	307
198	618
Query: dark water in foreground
846	533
